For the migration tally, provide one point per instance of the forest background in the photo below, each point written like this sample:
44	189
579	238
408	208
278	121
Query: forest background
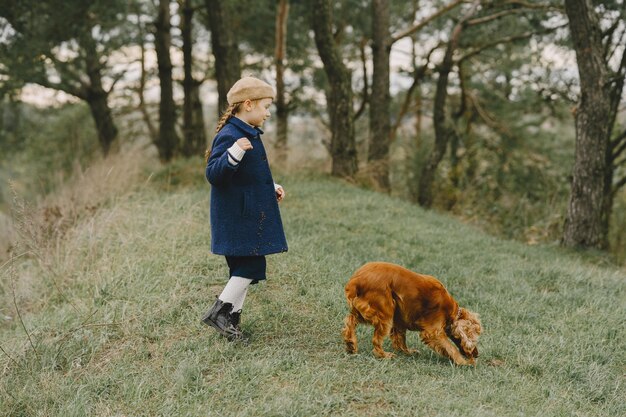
393	121
472	108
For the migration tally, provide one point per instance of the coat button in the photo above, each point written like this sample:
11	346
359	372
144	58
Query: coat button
264	158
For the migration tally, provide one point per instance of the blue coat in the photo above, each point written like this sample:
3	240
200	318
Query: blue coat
245	219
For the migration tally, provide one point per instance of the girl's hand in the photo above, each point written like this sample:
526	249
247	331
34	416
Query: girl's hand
280	193
244	144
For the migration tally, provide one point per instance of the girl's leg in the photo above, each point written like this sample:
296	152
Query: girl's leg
224	314
238	301
235	292
238	305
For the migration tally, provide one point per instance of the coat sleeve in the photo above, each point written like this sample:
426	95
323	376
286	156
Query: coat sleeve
219	171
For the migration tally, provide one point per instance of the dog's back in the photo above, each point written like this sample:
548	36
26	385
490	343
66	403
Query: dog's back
388	278
386	287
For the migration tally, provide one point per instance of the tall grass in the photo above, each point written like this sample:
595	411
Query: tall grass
122	335
44	231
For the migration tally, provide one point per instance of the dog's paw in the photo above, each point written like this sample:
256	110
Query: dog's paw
384	355
465	362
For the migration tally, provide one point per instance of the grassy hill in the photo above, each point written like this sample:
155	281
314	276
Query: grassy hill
109	311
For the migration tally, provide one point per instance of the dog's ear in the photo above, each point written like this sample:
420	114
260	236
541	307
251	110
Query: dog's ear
467	329
468	315
457	328
474	325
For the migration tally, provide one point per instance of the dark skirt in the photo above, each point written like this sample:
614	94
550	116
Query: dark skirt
251	267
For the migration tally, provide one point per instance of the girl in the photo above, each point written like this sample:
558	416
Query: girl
245	219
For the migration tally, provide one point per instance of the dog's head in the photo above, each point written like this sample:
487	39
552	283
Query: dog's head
464	332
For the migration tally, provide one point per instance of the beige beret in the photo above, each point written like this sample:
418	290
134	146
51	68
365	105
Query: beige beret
249	88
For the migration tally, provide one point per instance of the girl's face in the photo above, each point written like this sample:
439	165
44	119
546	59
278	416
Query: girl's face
255	112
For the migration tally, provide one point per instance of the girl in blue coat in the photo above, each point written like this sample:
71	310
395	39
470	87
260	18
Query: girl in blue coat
245	219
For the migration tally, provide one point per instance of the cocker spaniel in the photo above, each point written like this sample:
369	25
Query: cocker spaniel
393	300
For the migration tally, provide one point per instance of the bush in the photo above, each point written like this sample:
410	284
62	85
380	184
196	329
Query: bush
52	143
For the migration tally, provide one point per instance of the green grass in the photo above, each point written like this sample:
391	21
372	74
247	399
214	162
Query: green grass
116	331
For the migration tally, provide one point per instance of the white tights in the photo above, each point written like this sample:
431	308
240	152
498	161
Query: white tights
235	292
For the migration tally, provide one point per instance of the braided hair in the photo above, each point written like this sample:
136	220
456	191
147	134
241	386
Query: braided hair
231	110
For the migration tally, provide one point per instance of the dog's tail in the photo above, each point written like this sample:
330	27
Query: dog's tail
351	295
354	303
350	291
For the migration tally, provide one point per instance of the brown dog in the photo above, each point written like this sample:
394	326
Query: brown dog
394	300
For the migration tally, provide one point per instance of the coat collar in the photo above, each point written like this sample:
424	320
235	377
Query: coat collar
247	129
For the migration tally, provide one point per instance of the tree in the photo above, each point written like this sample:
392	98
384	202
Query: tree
381	132
591	198
194	135
282	107
144	19
225	49
64	45
339	96
380	124
484	27
167	143
443	130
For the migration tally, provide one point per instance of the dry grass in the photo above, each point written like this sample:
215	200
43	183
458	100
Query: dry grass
8	235
43	231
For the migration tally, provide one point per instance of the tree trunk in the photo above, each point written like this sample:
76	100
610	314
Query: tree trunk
612	163
197	120
168	139
456	134
440	122
339	97
107	132
443	130
152	131
186	15
225	49
417	140
587	220
97	98
380	125
282	110
193	126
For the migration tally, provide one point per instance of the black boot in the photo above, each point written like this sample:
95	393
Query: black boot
219	317
235	318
